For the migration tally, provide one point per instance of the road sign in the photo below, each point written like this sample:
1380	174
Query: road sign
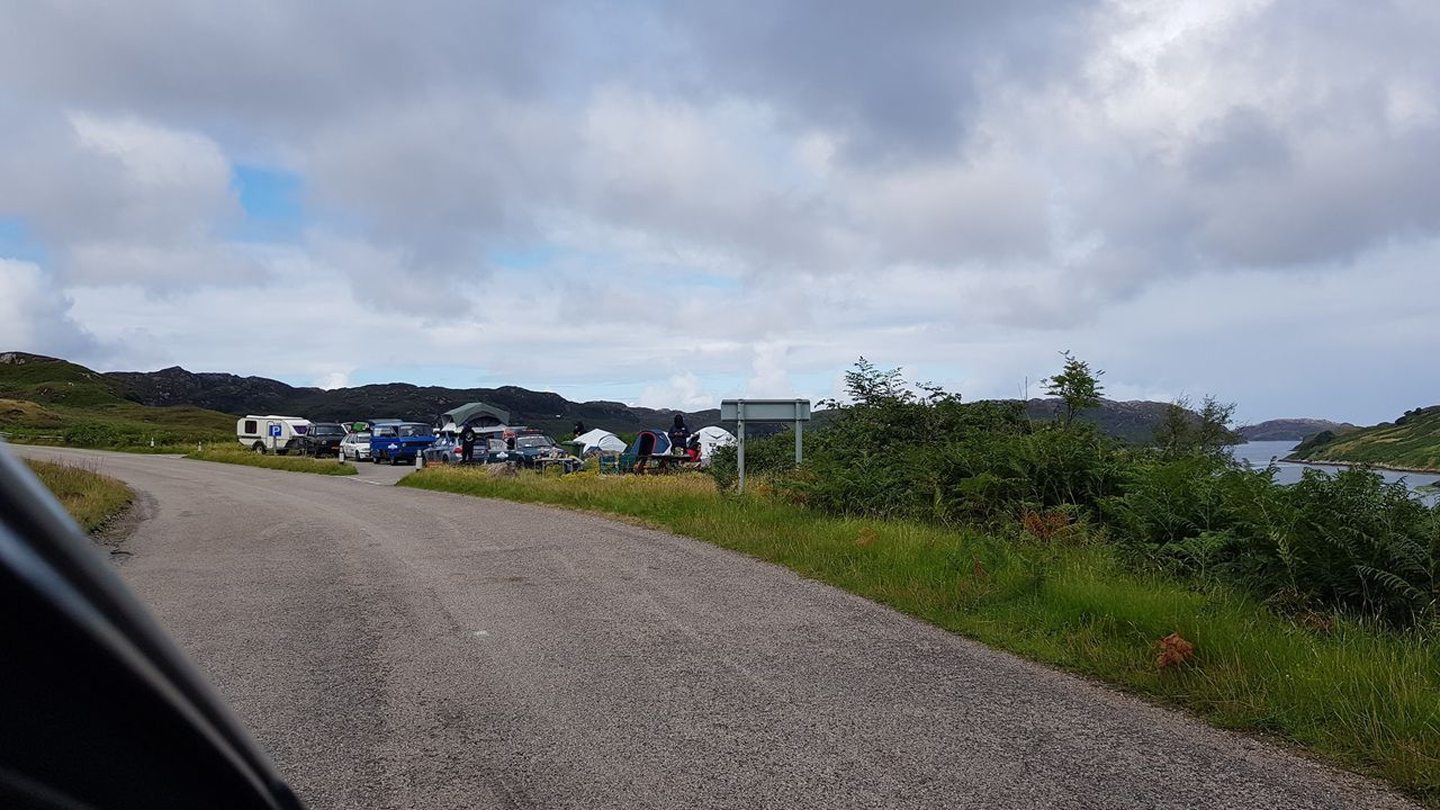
764	410
274	430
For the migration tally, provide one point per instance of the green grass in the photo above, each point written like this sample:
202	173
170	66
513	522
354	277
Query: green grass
1413	445
117	425
320	466
1356	695
89	497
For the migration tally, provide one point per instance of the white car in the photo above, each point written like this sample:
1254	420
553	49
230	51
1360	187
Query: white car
355	447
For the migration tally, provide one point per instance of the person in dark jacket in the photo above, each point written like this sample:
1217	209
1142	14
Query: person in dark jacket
678	432
467	444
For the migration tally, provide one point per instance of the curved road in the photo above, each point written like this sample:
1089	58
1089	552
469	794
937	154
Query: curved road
397	648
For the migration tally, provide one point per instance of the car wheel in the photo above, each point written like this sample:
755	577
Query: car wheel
258	448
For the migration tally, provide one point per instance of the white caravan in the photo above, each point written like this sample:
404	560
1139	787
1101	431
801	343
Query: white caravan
272	434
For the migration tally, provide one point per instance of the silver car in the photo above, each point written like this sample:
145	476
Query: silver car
355	447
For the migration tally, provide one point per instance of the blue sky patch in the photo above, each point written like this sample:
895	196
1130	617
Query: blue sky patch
15	242
271	200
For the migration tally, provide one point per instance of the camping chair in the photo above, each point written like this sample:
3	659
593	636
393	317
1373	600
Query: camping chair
609	461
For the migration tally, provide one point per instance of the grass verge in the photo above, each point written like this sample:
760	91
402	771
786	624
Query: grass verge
321	466
89	497
1355	695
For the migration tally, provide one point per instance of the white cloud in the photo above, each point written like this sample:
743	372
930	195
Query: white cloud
668	200
34	313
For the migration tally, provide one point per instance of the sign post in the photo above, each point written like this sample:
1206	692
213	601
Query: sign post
764	410
274	435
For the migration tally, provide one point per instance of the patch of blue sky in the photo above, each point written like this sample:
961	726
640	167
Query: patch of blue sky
271	200
526	257
16	242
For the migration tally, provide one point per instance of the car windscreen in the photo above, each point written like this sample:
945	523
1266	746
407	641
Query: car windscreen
414	430
360	437
327	430
522	442
384	431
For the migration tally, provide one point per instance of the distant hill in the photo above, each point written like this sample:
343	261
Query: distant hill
241	395
1134	421
1410	442
1290	430
51	382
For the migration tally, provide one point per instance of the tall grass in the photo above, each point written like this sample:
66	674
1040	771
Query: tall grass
1351	692
89	497
292	463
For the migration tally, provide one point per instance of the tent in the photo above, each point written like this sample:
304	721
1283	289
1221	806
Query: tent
712	437
597	441
476	415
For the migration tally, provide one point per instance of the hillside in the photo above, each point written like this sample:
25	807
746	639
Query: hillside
1410	442
1134	421
240	395
64	393
49	400
1291	430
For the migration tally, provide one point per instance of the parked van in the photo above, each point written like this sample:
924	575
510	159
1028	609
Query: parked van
272	434
395	441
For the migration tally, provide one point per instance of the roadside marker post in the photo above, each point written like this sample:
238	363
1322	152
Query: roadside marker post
740	411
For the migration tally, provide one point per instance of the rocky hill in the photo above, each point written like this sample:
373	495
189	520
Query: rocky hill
241	395
1291	430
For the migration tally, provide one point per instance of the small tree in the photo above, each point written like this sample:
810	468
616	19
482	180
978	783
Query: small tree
1207	431
1076	385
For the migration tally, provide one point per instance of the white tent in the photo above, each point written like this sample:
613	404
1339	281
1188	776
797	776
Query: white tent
599	440
712	437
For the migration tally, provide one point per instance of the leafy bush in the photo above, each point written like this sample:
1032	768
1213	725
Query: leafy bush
1347	542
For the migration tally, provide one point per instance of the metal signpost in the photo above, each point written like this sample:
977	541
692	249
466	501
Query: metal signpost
274	434
764	410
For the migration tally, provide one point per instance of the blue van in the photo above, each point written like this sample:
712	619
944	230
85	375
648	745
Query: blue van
396	441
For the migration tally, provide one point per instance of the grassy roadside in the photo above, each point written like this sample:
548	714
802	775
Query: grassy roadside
1355	695
320	466
89	497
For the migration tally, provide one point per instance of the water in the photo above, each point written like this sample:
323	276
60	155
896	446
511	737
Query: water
1259	454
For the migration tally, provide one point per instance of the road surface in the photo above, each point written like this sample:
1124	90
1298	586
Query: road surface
397	648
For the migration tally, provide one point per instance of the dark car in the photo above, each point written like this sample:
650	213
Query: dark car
531	449
323	439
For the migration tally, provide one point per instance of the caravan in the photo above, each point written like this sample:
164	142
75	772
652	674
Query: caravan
272	434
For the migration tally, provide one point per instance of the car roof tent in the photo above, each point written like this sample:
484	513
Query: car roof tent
470	411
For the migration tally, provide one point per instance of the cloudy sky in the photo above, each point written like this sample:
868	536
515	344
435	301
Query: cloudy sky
667	203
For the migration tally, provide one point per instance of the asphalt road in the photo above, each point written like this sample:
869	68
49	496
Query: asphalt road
397	648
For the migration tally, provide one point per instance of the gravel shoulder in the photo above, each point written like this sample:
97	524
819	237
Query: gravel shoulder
398	648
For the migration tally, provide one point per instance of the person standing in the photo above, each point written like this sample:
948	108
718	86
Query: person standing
467	444
678	432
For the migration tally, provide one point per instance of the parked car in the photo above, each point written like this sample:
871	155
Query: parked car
272	434
323	439
355	447
447	449
530	448
396	441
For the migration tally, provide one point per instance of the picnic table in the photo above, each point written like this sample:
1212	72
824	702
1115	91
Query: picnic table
664	462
